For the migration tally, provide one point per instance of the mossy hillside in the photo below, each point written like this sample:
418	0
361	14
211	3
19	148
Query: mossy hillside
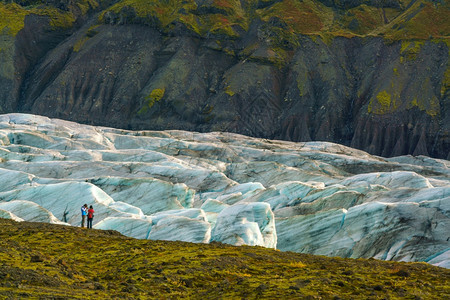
226	15
423	20
363	19
12	15
41	260
283	22
165	11
232	18
420	21
306	17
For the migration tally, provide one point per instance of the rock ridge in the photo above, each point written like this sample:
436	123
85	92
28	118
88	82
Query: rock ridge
257	70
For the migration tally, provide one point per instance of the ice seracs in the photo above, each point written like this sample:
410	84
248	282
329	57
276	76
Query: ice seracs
246	224
314	197
30	211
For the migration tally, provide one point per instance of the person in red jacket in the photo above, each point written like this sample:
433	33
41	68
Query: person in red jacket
90	216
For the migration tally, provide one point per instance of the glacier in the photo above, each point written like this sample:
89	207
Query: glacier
310	197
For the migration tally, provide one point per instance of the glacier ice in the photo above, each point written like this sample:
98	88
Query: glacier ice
30	211
246	223
188	229
134	227
312	197
5	214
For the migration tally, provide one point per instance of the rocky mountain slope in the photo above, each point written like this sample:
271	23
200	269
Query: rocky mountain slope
369	74
51	261
315	197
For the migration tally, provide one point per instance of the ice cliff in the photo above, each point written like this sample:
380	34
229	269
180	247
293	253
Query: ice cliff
314	197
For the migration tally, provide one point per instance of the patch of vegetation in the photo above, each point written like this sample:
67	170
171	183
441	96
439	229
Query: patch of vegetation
229	91
53	261
305	17
363	19
12	15
410	49
222	17
230	18
423	20
58	18
155	96
11	18
383	103
430	105
91	32
282	22
80	43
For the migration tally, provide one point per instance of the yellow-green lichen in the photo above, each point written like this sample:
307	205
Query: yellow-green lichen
89	33
12	18
410	49
383	103
58	18
430	106
229	91
155	96
80	43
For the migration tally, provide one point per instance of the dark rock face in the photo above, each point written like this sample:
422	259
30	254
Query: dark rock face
385	98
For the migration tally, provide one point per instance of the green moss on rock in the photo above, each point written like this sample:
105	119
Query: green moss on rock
410	49
12	18
154	96
12	15
383	103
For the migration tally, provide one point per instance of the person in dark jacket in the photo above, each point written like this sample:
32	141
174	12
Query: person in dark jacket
90	216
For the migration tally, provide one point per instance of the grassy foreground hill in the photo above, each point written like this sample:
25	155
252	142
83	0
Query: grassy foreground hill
39	260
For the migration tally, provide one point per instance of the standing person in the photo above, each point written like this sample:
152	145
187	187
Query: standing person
84	212
90	216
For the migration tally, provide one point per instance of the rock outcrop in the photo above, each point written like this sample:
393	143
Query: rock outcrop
372	75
